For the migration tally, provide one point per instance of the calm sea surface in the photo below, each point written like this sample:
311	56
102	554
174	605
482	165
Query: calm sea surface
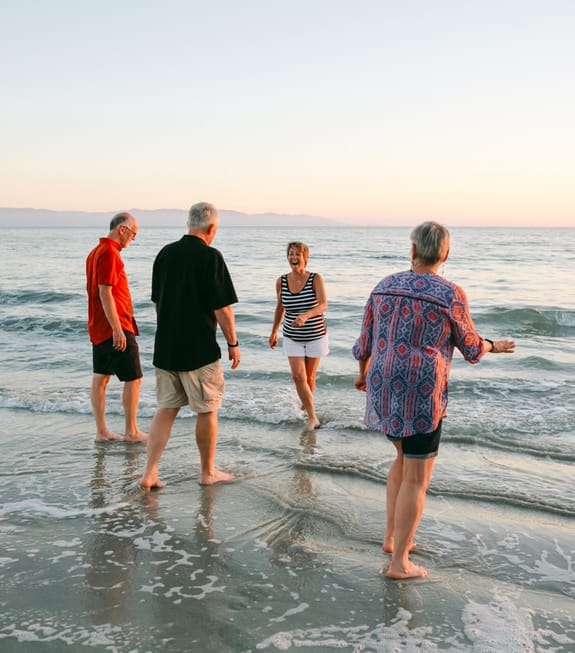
288	557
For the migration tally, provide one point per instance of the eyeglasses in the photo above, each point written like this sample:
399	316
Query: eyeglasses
131	231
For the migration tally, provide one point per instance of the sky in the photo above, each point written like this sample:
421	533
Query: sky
461	111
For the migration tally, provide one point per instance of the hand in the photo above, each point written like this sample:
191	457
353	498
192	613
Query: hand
234	356
360	383
273	340
299	321
119	340
503	347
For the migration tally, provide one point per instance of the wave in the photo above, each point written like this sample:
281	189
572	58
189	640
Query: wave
530	321
513	445
57	326
16	297
60	326
491	484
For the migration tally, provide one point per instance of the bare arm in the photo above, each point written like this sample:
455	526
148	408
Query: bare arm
111	313
360	379
321	307
500	346
278	316
225	318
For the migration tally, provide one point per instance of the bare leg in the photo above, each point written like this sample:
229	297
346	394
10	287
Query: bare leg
408	510
392	488
299	375
160	430
206	439
130	399
311	365
98	399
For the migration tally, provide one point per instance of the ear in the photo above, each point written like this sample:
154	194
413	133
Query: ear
446	256
413	252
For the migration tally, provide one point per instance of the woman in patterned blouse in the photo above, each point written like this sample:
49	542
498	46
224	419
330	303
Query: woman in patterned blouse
412	322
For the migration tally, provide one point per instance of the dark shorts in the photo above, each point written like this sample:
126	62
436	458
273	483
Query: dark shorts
124	364
420	445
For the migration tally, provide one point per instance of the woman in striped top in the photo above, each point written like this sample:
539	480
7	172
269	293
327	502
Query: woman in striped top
301	302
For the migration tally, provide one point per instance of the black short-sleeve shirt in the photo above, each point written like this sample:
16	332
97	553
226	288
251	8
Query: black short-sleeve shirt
190	280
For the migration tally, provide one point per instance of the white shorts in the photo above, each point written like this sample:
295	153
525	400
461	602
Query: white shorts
311	349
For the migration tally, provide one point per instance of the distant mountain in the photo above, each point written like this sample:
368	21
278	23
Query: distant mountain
22	217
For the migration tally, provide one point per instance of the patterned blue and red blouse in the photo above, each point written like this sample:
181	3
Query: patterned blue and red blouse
411	324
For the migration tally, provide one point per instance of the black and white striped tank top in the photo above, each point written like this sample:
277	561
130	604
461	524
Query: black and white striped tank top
297	303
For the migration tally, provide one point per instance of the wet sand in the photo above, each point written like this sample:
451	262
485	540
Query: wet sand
288	557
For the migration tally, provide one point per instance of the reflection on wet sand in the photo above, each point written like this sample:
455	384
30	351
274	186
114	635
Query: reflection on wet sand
111	555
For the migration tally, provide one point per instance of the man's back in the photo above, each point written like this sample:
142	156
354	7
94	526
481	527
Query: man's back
190	281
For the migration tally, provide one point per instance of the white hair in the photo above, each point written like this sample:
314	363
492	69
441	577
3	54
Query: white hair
431	241
202	215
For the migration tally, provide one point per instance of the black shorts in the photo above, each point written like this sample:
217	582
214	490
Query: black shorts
124	364
420	445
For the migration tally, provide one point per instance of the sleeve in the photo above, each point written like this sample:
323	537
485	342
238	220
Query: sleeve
465	335
222	288
155	294
362	348
108	270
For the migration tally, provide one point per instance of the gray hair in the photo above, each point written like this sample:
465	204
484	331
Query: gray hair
120	219
431	241
202	215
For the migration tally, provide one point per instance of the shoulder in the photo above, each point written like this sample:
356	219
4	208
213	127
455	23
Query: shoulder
215	253
458	292
163	252
106	254
445	286
174	247
399	279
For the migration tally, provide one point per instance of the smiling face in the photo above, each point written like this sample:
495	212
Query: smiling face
297	256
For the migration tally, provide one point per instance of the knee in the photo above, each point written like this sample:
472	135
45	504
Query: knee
136	383
100	381
298	378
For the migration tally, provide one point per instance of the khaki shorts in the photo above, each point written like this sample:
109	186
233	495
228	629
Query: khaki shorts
201	389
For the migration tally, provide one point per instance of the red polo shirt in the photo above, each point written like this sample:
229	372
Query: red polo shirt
104	266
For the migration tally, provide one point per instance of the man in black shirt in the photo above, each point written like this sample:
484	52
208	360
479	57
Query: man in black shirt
192	292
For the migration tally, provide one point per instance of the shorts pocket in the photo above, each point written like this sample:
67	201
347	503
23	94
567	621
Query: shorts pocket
212	382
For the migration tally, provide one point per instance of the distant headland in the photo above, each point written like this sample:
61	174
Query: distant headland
27	217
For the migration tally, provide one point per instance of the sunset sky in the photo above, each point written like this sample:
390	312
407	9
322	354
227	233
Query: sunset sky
460	111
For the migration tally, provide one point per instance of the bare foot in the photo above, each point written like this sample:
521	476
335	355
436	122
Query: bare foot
311	424
388	544
151	481
410	570
106	436
217	477
136	436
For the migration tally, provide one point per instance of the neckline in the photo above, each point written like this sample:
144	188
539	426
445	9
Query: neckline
303	286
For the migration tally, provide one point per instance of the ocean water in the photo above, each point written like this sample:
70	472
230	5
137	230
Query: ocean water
288	557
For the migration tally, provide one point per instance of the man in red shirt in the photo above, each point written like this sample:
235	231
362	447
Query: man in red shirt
112	328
